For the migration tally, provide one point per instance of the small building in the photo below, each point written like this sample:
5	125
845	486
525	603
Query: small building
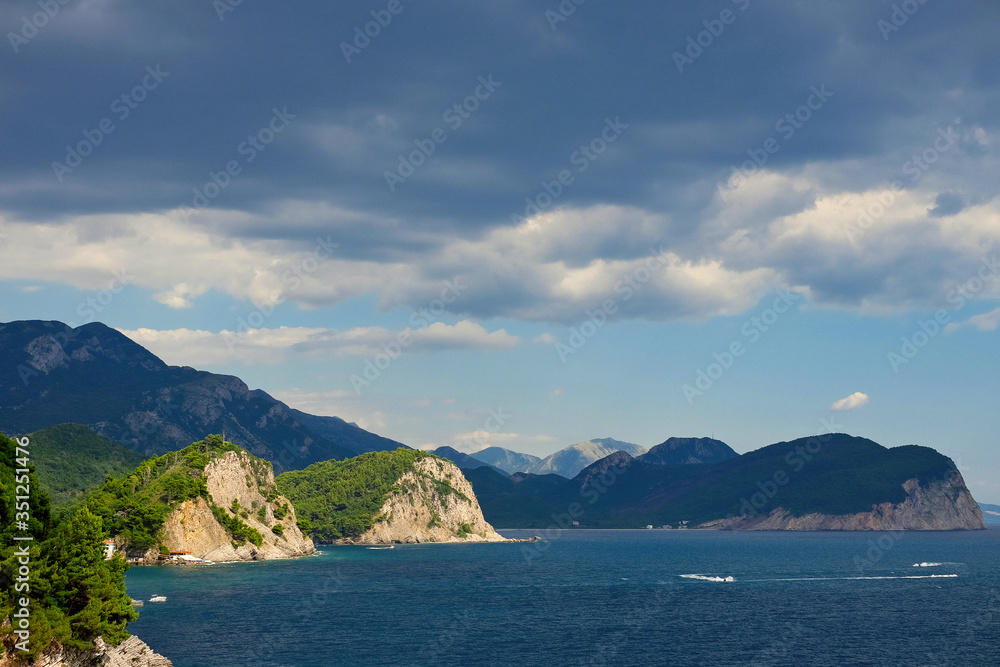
109	549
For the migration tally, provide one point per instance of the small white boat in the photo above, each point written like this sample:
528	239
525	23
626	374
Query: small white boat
380	548
158	598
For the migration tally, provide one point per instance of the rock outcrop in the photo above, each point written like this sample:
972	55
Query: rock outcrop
236	479
133	652
939	505
425	511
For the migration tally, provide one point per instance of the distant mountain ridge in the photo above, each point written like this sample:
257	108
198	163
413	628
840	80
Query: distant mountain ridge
567	462
830	482
507	460
464	461
52	374
689	450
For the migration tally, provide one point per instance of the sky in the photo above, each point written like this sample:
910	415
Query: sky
527	224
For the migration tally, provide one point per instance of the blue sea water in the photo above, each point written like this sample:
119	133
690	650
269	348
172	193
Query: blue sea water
592	598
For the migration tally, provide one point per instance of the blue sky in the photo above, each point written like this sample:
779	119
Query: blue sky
753	220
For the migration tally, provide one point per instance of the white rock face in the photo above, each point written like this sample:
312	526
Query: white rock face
425	512
235	476
940	505
133	652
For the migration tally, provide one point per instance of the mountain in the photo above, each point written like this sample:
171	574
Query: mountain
507	460
403	496
462	460
212	499
676	451
567	462
830	482
571	460
52	374
345	434
991	513
70	458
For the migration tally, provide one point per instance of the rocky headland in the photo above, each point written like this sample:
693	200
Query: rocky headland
434	503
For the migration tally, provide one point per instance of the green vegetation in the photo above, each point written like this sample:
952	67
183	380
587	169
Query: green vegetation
335	499
71	459
239	531
832	474
74	594
134	507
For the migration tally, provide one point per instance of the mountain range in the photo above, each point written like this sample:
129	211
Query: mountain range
568	462
834	481
52	374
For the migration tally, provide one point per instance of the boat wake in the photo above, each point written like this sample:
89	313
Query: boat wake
928	564
906	576
702	577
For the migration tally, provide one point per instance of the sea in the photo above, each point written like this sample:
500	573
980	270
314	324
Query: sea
592	597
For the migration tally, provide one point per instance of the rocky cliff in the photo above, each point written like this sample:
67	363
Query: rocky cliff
133	652
434	503
244	487
938	505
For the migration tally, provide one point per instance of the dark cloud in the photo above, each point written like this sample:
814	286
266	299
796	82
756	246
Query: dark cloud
751	83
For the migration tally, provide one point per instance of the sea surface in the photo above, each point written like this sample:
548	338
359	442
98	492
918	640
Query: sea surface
592	597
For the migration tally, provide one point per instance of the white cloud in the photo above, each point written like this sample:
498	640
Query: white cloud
545	338
189	347
987	321
984	322
855	400
787	230
178	296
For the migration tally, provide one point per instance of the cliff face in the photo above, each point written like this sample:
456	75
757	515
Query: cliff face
234	476
939	505
422	511
133	652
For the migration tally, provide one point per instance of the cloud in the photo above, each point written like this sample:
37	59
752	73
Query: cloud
855	400
984	322
545	339
274	346
464	214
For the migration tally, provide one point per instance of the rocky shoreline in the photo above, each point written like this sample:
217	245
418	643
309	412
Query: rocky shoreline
133	652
